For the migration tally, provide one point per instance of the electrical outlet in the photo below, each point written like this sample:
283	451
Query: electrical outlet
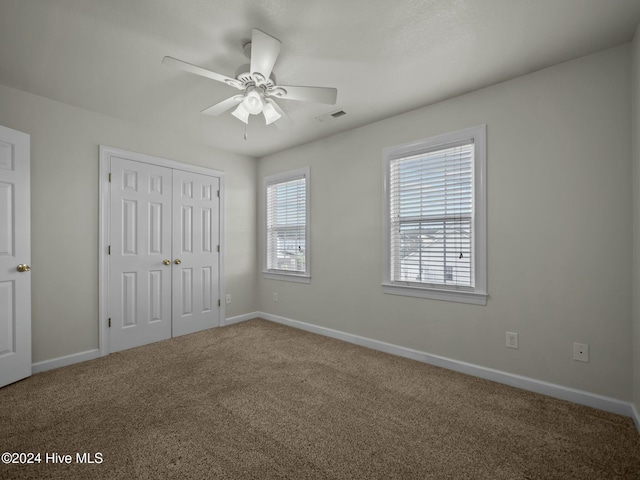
227	298
581	352
512	340
275	297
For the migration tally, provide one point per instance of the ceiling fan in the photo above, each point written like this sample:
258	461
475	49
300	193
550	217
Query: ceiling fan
258	85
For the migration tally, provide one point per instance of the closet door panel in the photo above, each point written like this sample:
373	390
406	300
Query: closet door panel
140	242
195	251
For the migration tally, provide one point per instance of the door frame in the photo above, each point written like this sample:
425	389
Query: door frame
106	153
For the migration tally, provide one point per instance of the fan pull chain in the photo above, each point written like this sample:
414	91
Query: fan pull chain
245	130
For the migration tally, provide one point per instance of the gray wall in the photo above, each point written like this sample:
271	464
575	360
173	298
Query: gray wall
64	209
635	134
559	230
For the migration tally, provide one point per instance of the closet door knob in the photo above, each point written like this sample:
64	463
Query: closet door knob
167	262
23	268
177	261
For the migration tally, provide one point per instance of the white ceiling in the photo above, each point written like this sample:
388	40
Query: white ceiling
384	57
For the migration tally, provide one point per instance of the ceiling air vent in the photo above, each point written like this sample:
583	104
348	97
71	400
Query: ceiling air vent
330	116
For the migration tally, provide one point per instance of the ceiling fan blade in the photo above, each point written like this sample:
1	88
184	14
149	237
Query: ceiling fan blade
203	72
264	52
223	106
309	94
284	121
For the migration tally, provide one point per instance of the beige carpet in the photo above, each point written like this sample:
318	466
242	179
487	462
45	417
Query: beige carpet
259	400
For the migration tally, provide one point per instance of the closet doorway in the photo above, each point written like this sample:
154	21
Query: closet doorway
161	270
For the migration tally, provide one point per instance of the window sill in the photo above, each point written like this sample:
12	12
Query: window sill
436	294
287	277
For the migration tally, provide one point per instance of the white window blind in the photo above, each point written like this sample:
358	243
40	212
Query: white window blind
431	217
286	223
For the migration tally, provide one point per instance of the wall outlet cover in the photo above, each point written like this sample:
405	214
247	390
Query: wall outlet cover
512	340
581	352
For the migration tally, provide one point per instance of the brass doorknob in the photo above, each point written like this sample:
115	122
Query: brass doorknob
177	261
23	268
167	261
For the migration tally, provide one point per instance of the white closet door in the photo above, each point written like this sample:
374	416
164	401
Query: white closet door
140	261
15	256
195	251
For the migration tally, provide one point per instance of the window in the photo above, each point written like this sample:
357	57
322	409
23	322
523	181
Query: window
286	255
435	227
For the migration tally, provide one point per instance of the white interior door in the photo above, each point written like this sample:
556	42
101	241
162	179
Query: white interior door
196	240
15	257
140	254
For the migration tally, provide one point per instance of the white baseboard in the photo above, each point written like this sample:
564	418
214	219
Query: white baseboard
636	416
240	318
64	361
552	390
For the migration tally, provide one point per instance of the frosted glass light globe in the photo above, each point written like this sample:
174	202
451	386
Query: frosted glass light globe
253	103
270	113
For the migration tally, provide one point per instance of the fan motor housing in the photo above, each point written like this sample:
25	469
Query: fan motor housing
243	74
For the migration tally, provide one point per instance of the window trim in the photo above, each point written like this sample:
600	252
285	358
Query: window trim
282	275
477	295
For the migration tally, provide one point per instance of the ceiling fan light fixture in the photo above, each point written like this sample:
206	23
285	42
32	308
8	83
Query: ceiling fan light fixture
270	113
257	84
253	103
241	113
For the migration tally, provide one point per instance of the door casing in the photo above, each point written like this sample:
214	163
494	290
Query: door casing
106	153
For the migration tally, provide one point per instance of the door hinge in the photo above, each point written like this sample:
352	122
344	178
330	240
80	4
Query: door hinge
218	248
109	177
218	193
219	304
109	323
109	250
